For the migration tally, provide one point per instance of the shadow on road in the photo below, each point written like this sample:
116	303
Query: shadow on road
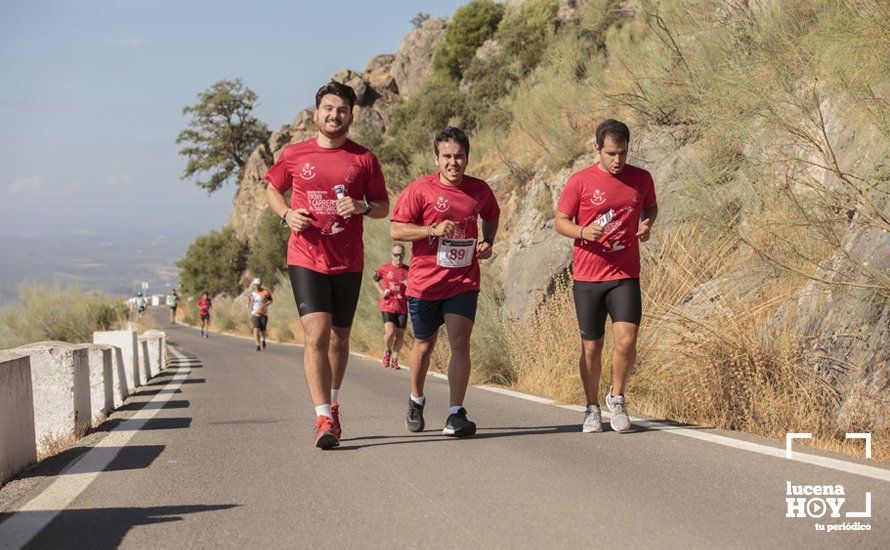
429	436
151	423
151	405
97	528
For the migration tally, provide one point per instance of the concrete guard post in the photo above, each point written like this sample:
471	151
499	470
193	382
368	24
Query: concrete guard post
125	340
18	443
145	368
157	343
60	380
101	380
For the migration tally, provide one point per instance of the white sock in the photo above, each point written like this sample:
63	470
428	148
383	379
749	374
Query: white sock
334	395
419	400
324	410
454	409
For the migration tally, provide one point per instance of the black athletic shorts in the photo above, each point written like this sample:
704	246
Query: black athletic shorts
316	292
400	320
428	315
259	321
620	299
205	316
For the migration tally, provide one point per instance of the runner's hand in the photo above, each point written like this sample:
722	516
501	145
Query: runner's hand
593	232
348	206
643	232
444	229
298	220
483	251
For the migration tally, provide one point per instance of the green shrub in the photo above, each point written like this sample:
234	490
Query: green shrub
214	264
470	26
268	250
67	314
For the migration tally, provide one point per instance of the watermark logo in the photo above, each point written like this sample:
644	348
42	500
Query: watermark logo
826	502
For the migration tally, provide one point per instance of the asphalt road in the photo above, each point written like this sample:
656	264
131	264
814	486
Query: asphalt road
217	452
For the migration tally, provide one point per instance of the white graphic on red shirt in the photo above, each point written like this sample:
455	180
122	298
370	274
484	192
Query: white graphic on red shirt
614	226
598	197
308	172
320	203
389	275
441	204
332	227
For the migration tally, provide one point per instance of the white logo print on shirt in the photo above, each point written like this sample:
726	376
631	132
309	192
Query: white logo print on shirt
441	204
598	197
308	172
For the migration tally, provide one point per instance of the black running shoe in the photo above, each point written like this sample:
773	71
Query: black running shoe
264	344
414	418
258	348
458	425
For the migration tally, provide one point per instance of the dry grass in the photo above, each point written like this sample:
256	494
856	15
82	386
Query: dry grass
703	356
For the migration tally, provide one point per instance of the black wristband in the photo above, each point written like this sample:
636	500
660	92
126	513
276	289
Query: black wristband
368	211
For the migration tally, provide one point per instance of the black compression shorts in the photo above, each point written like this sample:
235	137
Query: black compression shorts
316	292
400	320
593	300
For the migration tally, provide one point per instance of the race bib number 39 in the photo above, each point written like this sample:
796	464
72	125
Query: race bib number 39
455	252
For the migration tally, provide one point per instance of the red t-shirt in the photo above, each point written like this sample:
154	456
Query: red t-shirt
204	306
393	279
332	244
447	266
592	194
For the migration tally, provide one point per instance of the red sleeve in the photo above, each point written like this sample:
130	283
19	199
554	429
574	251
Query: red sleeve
570	199
649	192
490	210
279	176
375	186
408	208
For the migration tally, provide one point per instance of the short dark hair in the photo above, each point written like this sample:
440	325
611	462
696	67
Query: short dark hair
615	129
338	89
452	134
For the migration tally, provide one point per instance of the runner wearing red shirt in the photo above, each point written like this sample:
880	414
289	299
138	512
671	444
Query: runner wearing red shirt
440	214
389	280
204	305
334	184
608	208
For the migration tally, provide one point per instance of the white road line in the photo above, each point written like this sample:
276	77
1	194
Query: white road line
17	530
831	463
825	462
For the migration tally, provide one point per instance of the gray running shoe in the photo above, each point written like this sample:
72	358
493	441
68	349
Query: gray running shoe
620	421
593	420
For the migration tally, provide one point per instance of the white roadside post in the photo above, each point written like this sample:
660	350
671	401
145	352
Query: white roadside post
18	442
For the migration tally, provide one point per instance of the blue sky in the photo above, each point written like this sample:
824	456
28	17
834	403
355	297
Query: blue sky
91	97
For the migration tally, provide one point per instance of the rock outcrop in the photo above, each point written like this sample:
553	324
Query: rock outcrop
414	61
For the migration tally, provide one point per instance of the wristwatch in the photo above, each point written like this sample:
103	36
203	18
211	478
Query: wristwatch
284	216
368	208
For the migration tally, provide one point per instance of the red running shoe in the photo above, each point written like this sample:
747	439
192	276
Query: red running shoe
335	425
394	364
386	356
324	433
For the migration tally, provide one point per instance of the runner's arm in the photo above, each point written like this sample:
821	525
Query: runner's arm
647	218
564	225
409	232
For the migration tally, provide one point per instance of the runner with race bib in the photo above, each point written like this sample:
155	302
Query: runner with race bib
389	280
440	213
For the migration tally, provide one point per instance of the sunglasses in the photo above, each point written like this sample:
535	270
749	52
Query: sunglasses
398	254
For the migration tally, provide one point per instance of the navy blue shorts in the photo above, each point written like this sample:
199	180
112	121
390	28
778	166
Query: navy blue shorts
428	315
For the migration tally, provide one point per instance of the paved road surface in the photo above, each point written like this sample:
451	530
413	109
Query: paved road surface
217	452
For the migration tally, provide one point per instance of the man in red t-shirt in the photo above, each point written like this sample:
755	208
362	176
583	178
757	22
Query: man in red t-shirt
204	305
389	280
440	214
334	184
608	209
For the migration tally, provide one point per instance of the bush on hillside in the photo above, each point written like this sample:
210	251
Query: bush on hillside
268	250
67	314
214	264
470	26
